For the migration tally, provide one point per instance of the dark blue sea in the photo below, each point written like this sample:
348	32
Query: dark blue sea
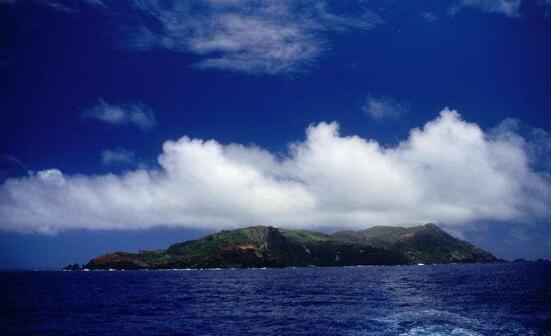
476	299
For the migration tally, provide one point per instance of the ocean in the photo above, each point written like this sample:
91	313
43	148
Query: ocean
470	299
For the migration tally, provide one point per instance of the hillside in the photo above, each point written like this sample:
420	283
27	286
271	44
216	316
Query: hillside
266	246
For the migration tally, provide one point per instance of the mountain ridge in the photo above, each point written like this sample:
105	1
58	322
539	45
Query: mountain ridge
267	246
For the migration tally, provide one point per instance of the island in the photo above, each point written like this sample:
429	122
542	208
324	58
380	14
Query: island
270	247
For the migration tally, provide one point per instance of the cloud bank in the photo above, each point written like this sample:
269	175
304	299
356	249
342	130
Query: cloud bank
137	115
449	171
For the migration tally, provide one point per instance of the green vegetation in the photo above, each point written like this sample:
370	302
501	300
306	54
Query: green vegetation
305	236
209	244
265	246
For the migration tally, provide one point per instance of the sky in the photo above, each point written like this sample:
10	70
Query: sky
135	124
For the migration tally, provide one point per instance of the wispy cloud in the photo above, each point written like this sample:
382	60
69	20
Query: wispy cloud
381	108
98	3
243	35
509	8
449	171
56	5
117	156
428	16
10	166
134	114
65	6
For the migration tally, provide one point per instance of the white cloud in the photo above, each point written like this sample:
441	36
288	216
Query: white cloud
134	114
380	108
538	140
117	156
243	35
509	8
450	171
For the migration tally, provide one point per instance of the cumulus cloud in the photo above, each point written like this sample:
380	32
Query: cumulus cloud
244	35
134	114
449	171
509	8
538	142
380	108
117	156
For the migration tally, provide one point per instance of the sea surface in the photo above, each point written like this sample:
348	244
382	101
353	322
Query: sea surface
475	299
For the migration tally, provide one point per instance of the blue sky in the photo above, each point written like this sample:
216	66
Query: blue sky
136	124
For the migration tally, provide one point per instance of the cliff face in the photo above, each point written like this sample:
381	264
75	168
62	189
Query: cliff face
266	246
